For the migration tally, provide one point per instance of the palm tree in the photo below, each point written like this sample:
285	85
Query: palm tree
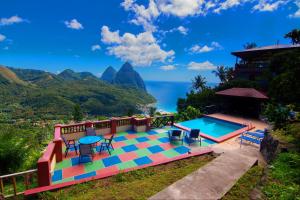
199	83
221	73
229	74
294	35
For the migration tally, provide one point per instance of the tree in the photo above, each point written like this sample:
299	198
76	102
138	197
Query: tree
221	73
152	111
294	35
199	83
250	45
77	113
229	74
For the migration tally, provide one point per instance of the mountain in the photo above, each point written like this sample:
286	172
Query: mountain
43	95
125	77
109	74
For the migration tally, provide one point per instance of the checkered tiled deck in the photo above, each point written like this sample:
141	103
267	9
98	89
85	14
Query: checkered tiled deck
131	150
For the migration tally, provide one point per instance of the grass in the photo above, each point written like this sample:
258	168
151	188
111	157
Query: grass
244	186
138	184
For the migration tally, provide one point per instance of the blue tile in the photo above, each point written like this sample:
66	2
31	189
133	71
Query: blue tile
155	149
84	159
182	149
131	132
152	132
57	175
130	148
120	138
143	160
142	139
112	160
86	175
164	140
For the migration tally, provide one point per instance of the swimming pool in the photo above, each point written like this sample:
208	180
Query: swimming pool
213	128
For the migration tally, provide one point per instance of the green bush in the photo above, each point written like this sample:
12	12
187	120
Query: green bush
277	114
188	114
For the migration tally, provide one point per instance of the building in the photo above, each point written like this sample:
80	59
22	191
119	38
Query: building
250	63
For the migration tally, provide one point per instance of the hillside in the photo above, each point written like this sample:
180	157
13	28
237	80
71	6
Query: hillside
38	94
109	75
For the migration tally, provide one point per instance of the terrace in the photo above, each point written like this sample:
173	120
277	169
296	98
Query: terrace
138	143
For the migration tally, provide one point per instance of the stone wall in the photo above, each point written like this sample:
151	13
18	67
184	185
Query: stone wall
269	147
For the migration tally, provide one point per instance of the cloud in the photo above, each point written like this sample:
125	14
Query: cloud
201	66
95	47
141	49
264	5
180	8
168	67
2	37
203	49
74	24
11	20
228	4
297	13
143	16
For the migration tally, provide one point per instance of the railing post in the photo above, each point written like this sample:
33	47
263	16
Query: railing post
44	177
113	125
88	124
148	123
172	120
58	143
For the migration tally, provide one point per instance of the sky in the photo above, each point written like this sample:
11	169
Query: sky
165	40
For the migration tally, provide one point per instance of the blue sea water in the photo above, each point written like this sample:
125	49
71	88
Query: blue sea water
167	93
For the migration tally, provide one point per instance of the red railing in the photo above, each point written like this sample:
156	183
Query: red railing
124	121
102	124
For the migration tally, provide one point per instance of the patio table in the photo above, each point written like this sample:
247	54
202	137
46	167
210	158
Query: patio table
90	139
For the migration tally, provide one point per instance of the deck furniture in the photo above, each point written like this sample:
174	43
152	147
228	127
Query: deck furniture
175	135
252	137
193	136
107	144
70	144
85	150
90	132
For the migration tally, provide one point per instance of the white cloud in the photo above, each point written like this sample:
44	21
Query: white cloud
143	16
228	4
95	47
264	5
74	24
168	67
141	49
297	13
203	49
11	20
201	66
180	8
182	30
2	37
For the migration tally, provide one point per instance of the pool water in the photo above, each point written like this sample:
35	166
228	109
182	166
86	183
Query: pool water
211	126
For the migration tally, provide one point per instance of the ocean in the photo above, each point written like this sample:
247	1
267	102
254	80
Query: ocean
167	93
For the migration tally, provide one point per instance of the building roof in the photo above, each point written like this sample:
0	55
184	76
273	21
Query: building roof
264	50
243	92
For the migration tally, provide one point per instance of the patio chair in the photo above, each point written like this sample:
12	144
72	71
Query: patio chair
193	136
175	135
70	144
90	132
107	144
85	150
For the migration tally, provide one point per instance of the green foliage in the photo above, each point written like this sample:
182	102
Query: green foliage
152	111
188	114
277	114
294	35
250	45
77	113
284	177
21	146
225	74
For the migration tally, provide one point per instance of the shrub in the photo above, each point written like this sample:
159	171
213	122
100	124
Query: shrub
277	114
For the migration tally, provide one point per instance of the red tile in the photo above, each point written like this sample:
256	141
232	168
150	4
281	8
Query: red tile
152	137
107	170
118	144
167	146
98	156
142	145
131	136
157	157
73	171
128	156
